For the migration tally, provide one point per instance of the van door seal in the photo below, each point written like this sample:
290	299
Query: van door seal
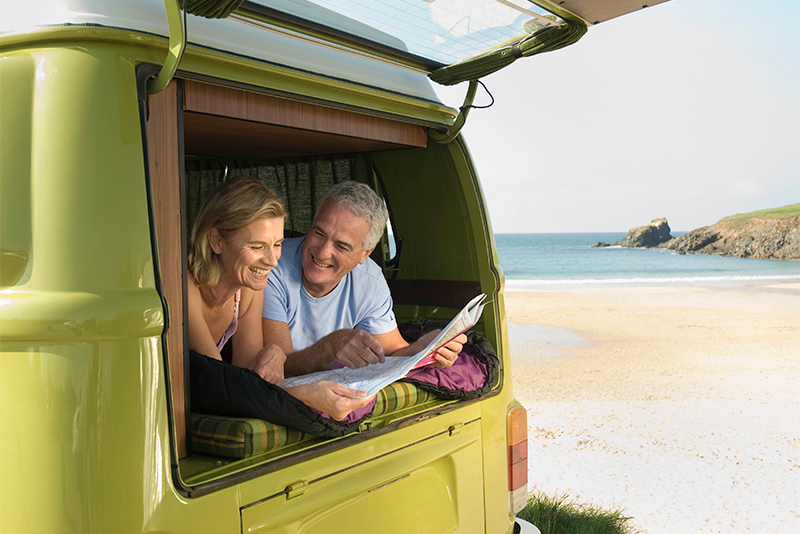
144	72
487	232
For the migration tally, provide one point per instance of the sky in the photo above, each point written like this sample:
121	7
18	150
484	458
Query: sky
688	110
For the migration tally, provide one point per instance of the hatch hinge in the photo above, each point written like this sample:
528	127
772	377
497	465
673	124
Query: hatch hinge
176	20
452	132
296	489
456	428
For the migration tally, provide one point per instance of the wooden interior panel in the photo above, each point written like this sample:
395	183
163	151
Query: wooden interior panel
163	141
212	135
258	108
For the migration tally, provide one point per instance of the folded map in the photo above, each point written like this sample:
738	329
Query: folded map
373	378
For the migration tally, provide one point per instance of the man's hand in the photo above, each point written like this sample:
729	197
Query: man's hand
269	364
331	398
355	348
448	354
445	356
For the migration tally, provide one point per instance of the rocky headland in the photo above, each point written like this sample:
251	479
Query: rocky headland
652	235
767	234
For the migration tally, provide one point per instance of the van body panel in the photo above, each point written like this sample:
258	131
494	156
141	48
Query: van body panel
16	246
360	485
437	496
81	414
79	161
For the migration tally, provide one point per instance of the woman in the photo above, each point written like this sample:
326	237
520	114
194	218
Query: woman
235	243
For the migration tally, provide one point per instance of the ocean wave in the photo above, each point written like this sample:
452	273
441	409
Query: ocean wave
521	285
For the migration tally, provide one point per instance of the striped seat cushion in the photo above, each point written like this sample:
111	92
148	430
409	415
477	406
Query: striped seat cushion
398	396
242	437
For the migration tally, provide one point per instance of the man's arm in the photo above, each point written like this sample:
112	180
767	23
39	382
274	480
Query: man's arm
351	348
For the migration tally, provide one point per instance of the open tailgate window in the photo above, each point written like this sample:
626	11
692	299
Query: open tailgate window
451	40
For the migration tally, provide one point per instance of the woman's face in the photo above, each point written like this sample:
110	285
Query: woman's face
251	253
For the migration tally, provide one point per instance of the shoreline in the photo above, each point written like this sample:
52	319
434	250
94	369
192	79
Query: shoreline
524	285
676	403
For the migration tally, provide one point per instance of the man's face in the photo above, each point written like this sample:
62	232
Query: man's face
333	248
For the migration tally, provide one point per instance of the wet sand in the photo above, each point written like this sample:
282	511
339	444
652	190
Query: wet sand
678	404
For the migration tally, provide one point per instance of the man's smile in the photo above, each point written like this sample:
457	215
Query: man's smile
320	264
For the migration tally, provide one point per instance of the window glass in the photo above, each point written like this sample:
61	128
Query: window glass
443	31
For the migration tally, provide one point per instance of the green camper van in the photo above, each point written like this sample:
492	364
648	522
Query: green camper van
117	118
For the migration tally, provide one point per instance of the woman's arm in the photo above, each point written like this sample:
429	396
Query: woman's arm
331	398
248	342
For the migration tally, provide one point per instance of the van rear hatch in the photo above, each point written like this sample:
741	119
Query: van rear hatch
433	35
423	477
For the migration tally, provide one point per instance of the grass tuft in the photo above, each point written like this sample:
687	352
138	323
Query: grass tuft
560	515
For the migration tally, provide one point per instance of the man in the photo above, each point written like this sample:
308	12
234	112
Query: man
327	301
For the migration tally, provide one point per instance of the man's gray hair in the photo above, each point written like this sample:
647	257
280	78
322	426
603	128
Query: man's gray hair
362	201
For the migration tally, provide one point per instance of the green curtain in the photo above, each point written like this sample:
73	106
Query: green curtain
300	182
212	9
543	40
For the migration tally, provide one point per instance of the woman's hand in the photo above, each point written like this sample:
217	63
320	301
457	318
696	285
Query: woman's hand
331	398
269	362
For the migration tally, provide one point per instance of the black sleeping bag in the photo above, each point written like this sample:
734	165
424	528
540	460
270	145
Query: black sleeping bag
221	388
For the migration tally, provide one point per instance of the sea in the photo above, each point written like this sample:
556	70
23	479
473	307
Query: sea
568	260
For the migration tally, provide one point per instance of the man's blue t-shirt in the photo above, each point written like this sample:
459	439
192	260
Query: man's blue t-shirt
361	300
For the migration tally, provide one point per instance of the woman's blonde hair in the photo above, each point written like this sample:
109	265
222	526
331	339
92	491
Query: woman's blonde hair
231	206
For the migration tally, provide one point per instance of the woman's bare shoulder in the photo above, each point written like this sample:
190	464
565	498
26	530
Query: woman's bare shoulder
250	298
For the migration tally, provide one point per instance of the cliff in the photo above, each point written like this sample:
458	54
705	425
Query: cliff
652	235
768	234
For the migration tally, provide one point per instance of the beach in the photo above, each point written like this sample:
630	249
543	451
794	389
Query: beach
678	404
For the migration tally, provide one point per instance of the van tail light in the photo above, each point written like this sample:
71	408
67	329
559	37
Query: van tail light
517	459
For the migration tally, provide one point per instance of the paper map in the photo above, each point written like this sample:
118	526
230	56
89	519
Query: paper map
375	377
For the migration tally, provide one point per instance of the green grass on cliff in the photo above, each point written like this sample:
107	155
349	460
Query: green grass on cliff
740	219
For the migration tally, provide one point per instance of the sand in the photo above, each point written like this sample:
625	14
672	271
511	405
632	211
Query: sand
678	404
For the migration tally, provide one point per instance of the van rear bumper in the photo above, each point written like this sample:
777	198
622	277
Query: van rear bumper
523	527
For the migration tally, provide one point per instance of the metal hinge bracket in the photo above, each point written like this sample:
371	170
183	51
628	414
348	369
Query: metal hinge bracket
456	428
296	489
